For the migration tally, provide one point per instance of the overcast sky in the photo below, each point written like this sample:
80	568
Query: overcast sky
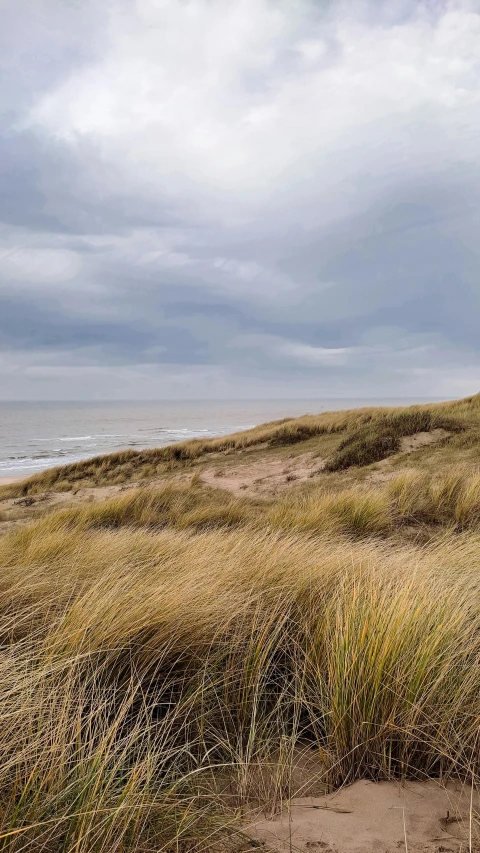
239	198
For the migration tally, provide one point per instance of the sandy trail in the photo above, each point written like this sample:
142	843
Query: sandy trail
366	817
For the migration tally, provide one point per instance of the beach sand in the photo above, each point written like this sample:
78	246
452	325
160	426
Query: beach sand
418	817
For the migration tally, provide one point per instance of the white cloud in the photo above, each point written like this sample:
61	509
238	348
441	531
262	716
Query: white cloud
300	353
38	266
205	98
318	356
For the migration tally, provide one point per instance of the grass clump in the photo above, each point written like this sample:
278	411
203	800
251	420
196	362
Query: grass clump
353	512
173	505
382	436
139	669
450	498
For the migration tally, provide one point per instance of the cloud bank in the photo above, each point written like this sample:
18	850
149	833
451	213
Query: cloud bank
239	198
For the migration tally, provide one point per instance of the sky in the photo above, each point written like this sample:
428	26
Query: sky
225	199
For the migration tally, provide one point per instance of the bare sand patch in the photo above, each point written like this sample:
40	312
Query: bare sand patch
410	443
266	475
367	817
263	475
383	472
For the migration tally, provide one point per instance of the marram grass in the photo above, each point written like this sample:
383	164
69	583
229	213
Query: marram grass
140	668
168	653
448	499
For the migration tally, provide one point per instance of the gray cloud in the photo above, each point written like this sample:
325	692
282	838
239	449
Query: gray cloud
249	198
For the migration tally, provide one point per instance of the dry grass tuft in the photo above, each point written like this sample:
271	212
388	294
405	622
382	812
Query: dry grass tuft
138	668
354	512
450	499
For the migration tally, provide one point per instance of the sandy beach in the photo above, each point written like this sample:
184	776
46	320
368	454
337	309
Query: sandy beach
5	481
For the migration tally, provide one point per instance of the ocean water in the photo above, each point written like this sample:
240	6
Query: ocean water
35	436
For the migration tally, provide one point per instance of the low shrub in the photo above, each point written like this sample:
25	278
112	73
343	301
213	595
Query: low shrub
363	449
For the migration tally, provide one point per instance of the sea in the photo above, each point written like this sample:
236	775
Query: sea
39	435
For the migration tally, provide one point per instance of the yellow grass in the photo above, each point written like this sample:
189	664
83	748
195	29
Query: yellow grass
448	499
166	652
137	665
354	511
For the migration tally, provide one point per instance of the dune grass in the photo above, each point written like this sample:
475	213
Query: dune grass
166	653
449	499
137	668
174	505
351	511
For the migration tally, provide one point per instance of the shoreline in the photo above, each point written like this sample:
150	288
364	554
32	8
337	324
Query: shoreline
7	481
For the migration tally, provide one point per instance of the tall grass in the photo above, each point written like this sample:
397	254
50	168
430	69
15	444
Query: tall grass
165	654
448	499
350	511
145	677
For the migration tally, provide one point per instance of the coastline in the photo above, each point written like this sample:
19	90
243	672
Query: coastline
38	436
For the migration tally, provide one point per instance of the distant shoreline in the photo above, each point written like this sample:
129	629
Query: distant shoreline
39	436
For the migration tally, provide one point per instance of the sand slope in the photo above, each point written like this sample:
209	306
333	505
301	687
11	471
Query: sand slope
368	818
